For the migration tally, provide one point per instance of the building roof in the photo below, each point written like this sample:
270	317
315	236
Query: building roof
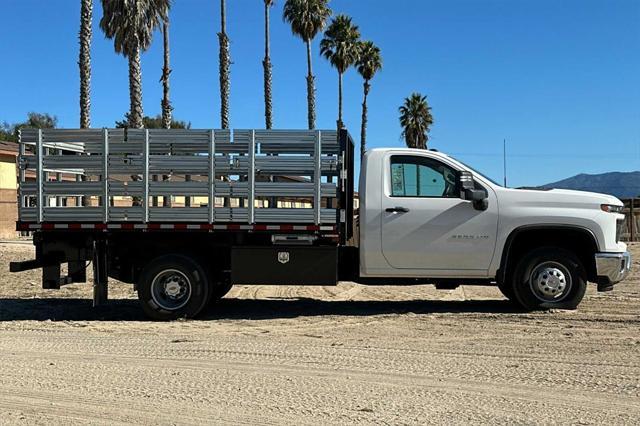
9	148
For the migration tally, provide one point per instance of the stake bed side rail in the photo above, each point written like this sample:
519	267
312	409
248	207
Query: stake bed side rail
227	179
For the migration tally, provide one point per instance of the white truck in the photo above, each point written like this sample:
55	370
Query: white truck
277	207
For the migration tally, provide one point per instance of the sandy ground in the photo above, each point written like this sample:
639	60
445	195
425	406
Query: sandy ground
319	355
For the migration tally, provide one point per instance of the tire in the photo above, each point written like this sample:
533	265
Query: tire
549	278
219	286
219	290
173	286
506	288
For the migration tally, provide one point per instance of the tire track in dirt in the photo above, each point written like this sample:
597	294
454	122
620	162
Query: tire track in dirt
348	354
530	394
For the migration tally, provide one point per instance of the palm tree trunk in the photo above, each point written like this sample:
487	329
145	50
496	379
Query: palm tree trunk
84	62
363	129
135	90
166	71
225	61
311	91
268	113
340	123
166	103
135	99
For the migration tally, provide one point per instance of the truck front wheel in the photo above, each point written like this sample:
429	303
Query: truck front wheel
548	278
171	287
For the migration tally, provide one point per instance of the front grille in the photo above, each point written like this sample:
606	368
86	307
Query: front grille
619	227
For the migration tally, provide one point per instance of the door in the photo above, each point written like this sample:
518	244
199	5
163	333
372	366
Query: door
427	226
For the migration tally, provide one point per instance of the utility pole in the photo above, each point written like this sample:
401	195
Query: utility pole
504	161
632	220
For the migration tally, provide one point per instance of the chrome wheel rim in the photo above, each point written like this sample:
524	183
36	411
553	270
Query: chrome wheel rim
550	281
171	289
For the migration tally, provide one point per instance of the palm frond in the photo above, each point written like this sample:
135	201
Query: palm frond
340	45
130	23
416	120
306	17
369	60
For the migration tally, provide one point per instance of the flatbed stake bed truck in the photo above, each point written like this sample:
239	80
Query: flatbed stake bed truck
277	207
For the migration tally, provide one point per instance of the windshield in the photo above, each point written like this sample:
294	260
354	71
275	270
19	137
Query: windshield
477	172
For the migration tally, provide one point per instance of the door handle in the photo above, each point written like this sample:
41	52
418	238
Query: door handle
397	210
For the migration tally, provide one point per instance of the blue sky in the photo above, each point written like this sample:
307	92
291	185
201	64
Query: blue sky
559	79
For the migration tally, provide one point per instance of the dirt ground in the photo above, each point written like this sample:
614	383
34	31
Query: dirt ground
316	355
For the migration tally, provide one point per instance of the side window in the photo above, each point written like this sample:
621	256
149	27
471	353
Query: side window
414	176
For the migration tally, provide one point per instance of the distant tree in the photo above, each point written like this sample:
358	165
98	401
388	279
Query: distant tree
266	63
225	65
307	19
416	121
340	46
40	120
156	122
9	132
84	62
130	23
368	64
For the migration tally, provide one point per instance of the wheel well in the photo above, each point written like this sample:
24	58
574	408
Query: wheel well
129	255
577	240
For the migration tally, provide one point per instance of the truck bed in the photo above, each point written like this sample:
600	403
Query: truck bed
252	180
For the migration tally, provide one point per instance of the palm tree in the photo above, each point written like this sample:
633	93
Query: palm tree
166	71
84	62
266	63
369	62
165	104
416	120
225	64
130	23
307	19
340	47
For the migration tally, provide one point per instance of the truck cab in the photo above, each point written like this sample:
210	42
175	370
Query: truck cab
425	215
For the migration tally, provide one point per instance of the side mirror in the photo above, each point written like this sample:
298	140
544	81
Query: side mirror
469	191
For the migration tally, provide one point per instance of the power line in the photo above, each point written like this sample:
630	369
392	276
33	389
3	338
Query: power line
555	154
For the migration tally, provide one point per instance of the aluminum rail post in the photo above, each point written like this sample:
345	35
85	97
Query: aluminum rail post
105	174
58	179
212	175
39	176
317	194
21	171
252	176
145	178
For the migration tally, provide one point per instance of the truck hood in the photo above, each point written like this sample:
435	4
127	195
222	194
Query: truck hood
560	197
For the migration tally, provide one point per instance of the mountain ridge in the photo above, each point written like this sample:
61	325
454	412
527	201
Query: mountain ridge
618	184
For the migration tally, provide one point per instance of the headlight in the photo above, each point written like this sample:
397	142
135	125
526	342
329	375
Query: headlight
610	208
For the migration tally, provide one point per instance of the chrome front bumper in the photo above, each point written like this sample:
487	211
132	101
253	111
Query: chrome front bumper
613	267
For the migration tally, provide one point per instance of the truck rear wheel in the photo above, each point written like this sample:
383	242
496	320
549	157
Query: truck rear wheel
173	286
219	290
549	278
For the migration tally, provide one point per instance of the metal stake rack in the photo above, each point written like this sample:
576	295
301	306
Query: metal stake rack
247	178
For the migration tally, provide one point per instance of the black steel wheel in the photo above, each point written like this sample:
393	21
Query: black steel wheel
173	286
549	278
